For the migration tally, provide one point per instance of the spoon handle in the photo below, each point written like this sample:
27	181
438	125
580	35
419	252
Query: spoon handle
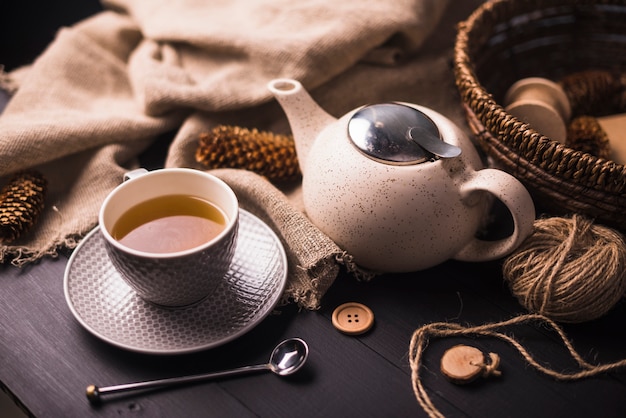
433	144
94	392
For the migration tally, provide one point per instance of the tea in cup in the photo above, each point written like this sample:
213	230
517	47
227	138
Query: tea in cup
171	233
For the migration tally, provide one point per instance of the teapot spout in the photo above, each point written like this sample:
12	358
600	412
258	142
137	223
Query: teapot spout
306	118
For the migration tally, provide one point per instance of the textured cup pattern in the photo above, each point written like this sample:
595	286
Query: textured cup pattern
176	281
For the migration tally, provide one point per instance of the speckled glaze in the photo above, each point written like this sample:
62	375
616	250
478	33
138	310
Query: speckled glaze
398	218
171	279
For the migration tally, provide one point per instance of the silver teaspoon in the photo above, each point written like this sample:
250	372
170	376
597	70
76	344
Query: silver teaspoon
286	358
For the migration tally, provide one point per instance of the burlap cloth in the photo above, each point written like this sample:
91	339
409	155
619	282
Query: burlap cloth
107	87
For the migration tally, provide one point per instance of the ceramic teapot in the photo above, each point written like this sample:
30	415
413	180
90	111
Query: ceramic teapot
398	186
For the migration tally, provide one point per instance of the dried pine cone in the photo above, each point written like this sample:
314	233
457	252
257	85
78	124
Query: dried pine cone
584	133
594	92
270	155
21	202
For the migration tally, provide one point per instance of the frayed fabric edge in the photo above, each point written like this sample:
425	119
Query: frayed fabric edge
308	287
22	255
319	283
354	269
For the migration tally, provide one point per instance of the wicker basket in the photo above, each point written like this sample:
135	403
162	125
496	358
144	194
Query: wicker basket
506	40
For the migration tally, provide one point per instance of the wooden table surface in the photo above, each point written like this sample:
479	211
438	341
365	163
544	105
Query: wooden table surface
47	359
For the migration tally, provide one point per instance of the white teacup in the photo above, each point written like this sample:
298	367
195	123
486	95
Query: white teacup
169	265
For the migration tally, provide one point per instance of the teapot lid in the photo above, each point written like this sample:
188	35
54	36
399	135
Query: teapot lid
397	134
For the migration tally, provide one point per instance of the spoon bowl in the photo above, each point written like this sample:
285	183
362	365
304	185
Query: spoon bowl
286	358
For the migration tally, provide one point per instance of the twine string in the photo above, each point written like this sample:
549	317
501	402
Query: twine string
491	369
550	272
569	269
421	336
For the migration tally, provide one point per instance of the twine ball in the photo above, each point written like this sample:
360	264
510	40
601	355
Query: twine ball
569	269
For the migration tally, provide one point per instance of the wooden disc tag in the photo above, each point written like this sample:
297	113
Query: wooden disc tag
463	364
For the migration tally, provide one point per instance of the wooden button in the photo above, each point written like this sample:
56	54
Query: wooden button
353	318
463	364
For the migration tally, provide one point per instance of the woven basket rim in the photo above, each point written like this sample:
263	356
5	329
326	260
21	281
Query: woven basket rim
484	19
588	201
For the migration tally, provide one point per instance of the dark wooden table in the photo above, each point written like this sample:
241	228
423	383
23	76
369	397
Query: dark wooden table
47	359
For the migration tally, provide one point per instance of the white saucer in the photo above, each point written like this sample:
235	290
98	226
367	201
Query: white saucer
108	308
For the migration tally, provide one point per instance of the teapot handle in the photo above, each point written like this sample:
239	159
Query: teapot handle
519	203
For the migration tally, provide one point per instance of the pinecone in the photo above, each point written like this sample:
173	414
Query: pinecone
21	203
594	92
270	155
584	133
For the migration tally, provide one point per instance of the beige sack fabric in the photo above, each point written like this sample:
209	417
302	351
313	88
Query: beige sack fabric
107	87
